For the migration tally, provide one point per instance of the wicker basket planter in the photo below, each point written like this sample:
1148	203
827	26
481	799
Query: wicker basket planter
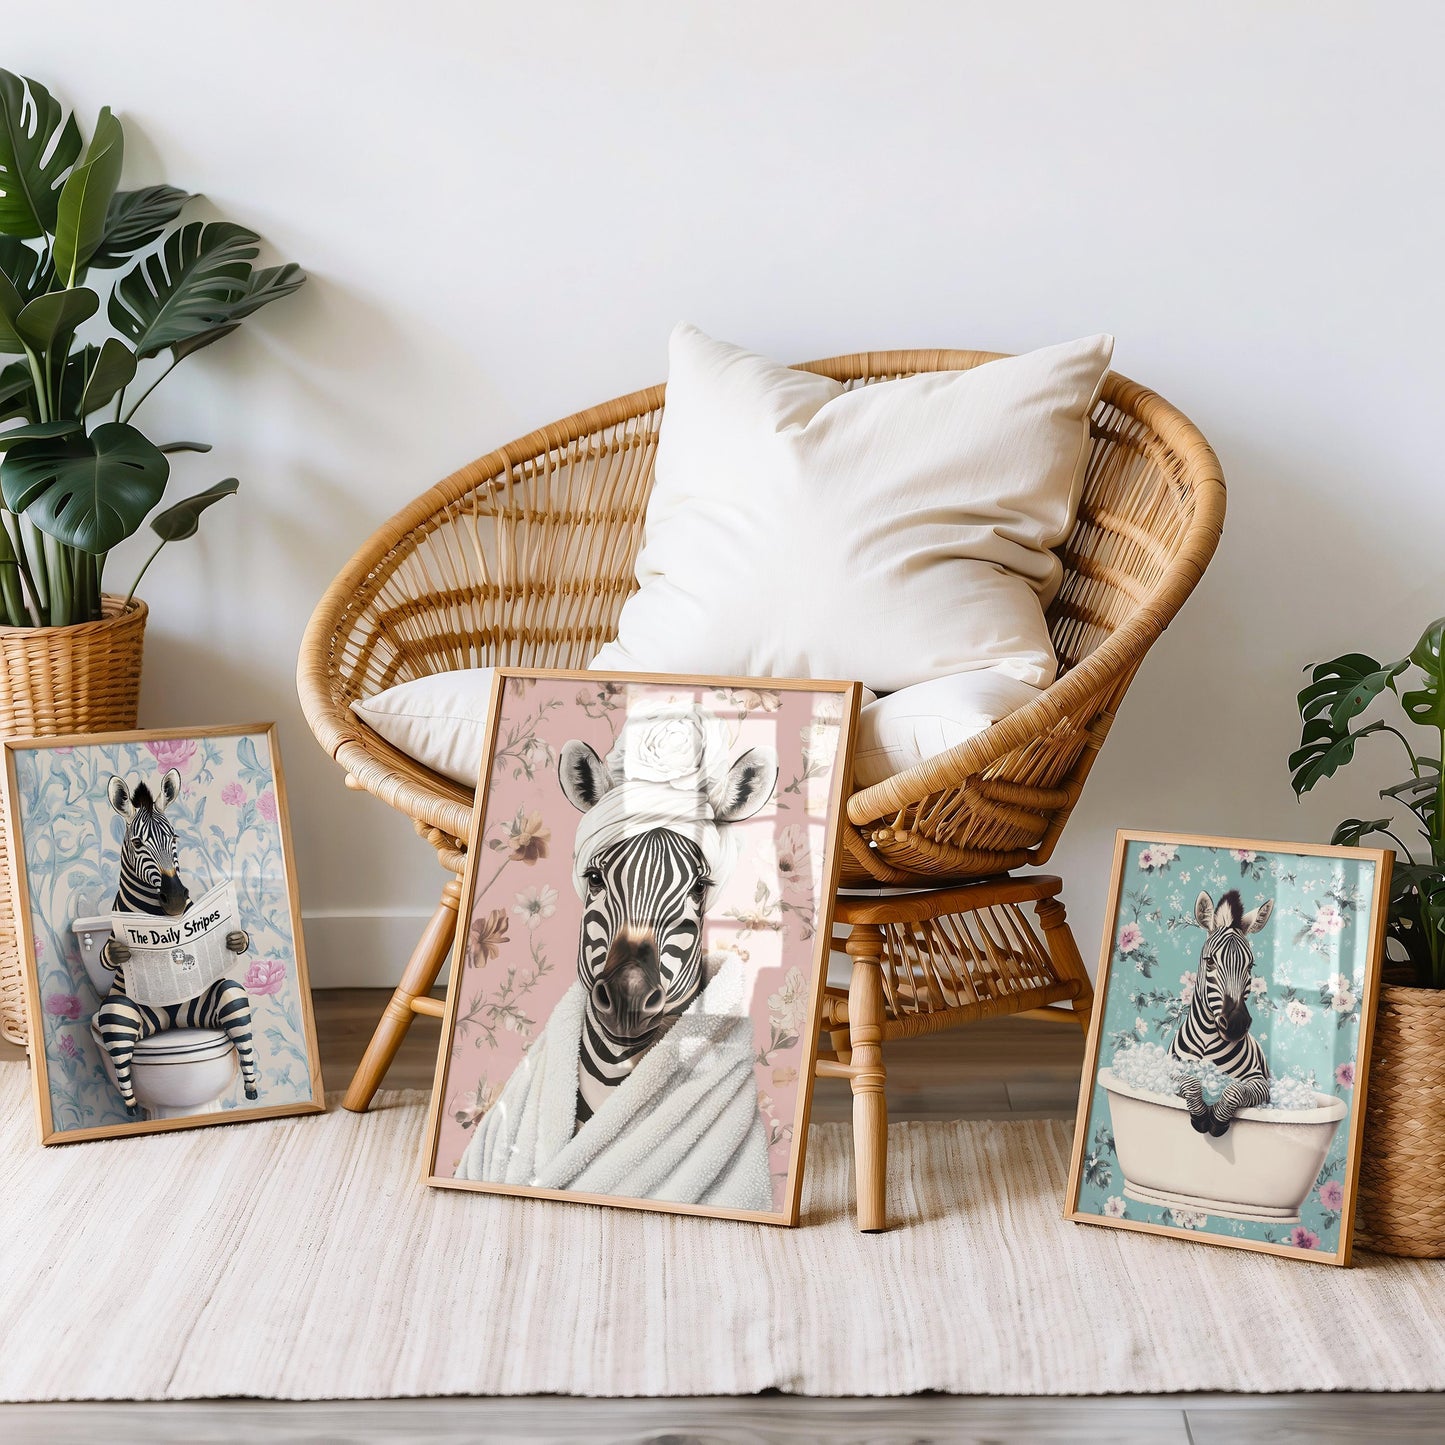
53	681
1402	1174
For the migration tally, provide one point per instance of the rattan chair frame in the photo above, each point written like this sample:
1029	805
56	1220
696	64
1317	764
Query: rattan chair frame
525	556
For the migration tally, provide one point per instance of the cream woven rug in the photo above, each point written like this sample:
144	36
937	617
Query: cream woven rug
300	1259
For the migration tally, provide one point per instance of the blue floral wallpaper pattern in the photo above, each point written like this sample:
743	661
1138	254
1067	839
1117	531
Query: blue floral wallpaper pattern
227	826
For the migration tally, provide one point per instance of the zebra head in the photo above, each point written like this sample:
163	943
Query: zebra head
1227	960
640	956
149	856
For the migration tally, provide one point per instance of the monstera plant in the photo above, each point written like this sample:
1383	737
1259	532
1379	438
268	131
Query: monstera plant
1331	710
78	476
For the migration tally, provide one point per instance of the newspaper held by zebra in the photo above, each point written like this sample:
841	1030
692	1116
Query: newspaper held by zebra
170	960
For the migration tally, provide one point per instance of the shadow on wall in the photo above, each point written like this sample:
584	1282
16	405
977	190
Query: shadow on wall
1203	735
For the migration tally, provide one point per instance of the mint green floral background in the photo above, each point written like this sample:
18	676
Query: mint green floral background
1309	971
227	826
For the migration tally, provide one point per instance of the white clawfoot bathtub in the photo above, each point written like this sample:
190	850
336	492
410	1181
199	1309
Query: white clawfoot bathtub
1262	1169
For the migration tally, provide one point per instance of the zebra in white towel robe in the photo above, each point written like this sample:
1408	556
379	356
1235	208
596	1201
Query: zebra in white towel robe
640	954
150	882
1216	1028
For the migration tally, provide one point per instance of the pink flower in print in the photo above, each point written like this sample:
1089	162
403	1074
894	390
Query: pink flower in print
266	805
63	1006
1332	1195
233	794
1130	937
1329	920
1187	983
795	861
1243	855
266	975
172	752
1345	1076
1303	1238
67	1047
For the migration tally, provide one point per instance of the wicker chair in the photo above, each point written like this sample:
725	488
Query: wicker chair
525	557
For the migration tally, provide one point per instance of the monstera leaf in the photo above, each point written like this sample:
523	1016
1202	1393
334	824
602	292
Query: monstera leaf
1345	687
38	145
185	289
134	219
49	322
36	431
88	492
1426	704
183	520
1348	833
262	287
85	198
28	269
103	372
1323	751
17	392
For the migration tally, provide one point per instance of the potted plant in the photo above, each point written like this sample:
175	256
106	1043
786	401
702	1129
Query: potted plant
77	474
1402	1176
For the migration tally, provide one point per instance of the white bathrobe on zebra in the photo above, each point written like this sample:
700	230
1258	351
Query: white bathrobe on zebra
684	1126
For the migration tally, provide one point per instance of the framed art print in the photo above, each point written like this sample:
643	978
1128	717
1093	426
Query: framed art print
633	1010
1223	1090
156	898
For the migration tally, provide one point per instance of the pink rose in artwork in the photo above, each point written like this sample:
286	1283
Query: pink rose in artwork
266	805
63	1006
68	1049
1130	937
1303	1238
172	752
1345	1076
233	794
266	975
1332	1195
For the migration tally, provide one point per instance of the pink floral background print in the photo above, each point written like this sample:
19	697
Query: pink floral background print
522	932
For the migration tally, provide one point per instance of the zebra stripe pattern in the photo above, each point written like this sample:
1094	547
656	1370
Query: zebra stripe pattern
639	956
1215	1030
150	883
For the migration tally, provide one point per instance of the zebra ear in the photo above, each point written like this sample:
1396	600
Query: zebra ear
1256	918
1204	912
583	775
748	785
170	789
119	795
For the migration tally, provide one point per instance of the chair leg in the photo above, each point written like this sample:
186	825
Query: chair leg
417	980
870	1106
1064	952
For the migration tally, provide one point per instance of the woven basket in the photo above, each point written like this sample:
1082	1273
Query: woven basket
1402	1173
53	681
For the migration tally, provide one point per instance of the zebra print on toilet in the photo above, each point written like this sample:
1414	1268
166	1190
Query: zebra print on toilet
150	882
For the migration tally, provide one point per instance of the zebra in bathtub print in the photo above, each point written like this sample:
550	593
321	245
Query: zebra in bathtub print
150	882
1215	1030
640	958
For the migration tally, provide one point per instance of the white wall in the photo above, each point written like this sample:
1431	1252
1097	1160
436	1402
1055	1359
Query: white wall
505	207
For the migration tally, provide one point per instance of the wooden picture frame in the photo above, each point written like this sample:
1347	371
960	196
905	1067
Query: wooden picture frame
809	727
220	795
1151	1156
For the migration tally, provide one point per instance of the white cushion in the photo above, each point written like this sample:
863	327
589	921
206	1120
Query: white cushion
917	723
895	533
441	720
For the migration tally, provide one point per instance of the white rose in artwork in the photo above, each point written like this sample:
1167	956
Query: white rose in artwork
1343	1001
676	743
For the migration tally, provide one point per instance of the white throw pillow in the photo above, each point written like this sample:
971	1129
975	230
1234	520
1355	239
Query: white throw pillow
917	723
894	533
441	720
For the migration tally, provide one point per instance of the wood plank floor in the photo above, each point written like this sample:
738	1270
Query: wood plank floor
1007	1068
